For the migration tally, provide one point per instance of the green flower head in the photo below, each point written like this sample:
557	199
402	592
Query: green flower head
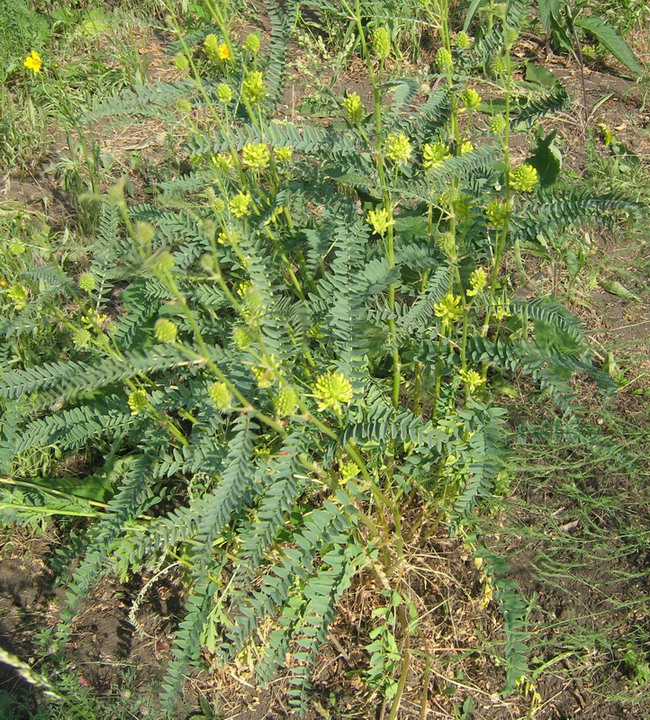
470	99
524	178
498	213
463	41
165	330
181	62
256	157
447	244
224	93
220	396
253	90
242	337
331	390
397	148
498	124
285	402
87	282
353	107
252	43
381	43
267	373
81	338
211	47
444	60
380	220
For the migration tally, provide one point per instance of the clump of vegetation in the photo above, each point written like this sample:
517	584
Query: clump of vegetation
282	369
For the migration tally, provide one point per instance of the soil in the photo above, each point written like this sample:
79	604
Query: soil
601	595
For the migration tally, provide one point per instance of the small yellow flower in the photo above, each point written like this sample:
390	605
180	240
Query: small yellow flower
448	310
228	237
465	147
256	157
348	470
502	309
472	379
137	401
477	282
223	162
398	148
33	62
380	220
223	51
524	178
19	295
239	205
434	154
331	390
283	154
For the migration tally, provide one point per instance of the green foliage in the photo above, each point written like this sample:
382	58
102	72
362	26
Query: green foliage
333	315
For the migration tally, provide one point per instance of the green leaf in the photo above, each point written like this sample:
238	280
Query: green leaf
611	40
541	76
616	288
547	160
475	5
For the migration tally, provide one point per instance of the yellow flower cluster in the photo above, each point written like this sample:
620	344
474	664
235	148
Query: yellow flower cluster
137	401
472	379
524	178
380	220
256	156
434	154
448	310
331	390
477	282
397	148
239	205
